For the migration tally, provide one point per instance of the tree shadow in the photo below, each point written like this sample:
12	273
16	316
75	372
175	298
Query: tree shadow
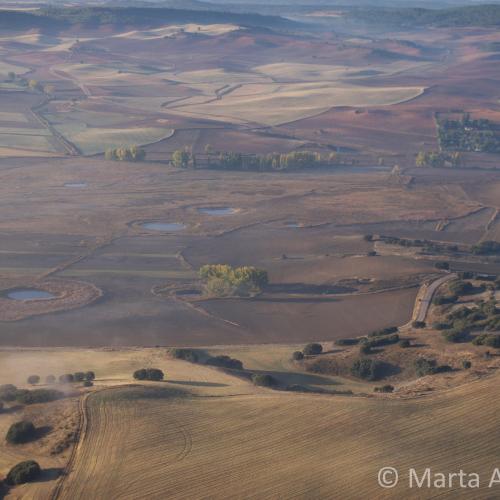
49	474
11	409
42	431
196	383
305	300
294	378
306	288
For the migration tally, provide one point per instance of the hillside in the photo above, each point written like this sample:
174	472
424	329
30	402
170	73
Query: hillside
91	17
477	15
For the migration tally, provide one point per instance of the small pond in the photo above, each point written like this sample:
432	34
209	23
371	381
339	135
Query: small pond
29	294
217	211
165	227
76	185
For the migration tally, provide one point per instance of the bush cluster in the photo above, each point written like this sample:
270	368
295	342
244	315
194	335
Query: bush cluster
486	248
23	472
38	396
368	369
487	339
367	344
130	153
425	366
224	281
8	392
185	354
312	349
225	362
21	432
153	374
384	331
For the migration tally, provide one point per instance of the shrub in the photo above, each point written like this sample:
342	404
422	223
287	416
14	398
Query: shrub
50	379
298	356
67	378
153	374
384	331
384	388
1	406
8	392
445	299
90	375
263	380
461	288
405	343
33	379
487	339
88	383
367	369
381	341
79	377
185	354
441	326
225	362
365	348
347	341
442	265
38	396
455	335
312	349
23	472
493	341
486	248
418	324
21	432
466	364
424	366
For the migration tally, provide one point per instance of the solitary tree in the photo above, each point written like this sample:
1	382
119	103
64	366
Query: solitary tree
33	379
23	472
313	349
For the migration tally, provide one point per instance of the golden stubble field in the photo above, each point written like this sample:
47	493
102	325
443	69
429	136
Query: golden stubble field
207	434
204	433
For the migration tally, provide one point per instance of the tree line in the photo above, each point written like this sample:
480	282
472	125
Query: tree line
229	160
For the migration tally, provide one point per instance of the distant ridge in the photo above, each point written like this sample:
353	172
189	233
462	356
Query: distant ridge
58	18
487	15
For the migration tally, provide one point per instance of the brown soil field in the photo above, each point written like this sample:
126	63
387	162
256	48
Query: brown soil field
315	219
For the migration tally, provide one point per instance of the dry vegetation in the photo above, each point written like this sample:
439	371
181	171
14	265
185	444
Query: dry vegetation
332	240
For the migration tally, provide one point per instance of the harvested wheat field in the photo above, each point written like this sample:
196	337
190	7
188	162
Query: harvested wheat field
275	445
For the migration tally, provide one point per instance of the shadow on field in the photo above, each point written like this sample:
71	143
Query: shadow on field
41	432
291	378
307	288
50	474
196	384
12	409
305	300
